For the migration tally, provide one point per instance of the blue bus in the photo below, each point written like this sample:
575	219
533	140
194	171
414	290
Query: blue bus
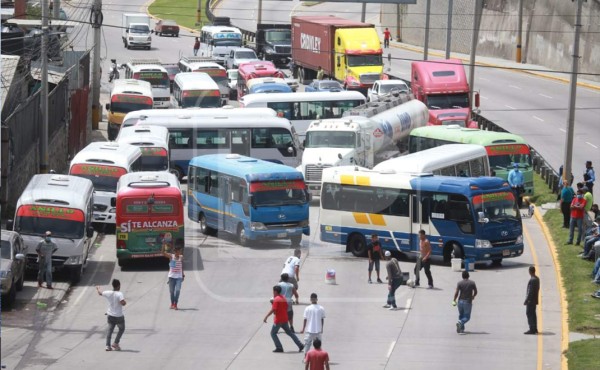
250	198
473	217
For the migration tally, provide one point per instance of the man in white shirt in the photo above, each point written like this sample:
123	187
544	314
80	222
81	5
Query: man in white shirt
116	301
314	320
291	266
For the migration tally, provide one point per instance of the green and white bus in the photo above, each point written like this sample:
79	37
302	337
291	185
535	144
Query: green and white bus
503	148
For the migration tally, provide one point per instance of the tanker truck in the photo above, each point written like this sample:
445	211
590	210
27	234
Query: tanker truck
365	136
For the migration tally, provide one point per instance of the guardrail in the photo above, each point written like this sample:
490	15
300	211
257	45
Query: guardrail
540	165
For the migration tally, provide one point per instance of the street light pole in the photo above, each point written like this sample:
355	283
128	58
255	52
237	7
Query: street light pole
44	91
474	39
567	169
96	20
519	30
426	43
449	29
199	13
259	20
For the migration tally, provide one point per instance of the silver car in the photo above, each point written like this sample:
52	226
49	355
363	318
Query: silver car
12	268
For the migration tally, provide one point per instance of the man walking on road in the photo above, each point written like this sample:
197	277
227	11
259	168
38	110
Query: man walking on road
196	46
394	278
316	359
116	301
288	291
386	38
45	249
375	255
279	309
291	266
466	290
176	274
424	260
531	301
314	320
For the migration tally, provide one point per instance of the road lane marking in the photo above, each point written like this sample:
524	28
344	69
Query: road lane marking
545	96
84	290
391	349
538	118
540	338
515	87
592	145
562	129
509	107
408	303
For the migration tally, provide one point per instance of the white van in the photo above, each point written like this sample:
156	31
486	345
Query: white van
104	163
154	143
63	205
195	89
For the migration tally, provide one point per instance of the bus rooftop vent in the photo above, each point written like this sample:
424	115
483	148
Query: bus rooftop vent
60	178
233	156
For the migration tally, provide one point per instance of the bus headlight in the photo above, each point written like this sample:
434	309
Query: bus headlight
269	50
257	226
481	243
519	239
73	260
113	210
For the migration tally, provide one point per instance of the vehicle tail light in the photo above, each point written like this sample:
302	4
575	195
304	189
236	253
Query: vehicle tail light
121	244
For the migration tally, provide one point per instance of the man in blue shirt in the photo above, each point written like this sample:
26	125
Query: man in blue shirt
589	176
515	179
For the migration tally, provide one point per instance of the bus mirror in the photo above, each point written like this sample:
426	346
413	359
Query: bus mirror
90	231
252	201
303	144
107	106
481	218
339	155
10	224
290	150
113	202
477	99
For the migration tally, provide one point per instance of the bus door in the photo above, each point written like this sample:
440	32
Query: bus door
224	202
240	142
420	205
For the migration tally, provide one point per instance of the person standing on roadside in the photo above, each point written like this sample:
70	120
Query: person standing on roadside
465	292
531	301
291	266
314	321
588	217
516	182
176	274
375	255
589	176
320	73
316	359
394	278
424	260
196	46
114	313
566	197
279	309
386	38
45	249
577	212
288	291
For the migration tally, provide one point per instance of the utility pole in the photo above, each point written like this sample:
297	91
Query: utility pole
199	13
426	44
519	30
474	39
96	21
567	169
363	13
44	94
449	29
259	20
56	10
399	22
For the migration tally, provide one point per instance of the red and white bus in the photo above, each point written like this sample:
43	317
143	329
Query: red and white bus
255	69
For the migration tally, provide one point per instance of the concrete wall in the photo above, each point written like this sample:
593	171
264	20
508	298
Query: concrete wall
548	30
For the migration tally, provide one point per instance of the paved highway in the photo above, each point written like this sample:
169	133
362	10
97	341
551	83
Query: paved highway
227	287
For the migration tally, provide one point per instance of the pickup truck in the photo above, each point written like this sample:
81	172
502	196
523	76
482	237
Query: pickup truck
384	88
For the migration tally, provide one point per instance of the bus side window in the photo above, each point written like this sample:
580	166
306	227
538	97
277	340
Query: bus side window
192	177
180	139
425	208
477	167
214	184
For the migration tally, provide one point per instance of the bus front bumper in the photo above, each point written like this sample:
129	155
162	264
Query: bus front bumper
495	253
278	234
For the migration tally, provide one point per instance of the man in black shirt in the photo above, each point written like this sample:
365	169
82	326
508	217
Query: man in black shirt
466	290
531	301
375	255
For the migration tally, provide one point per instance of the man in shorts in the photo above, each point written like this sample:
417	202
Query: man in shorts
291	266
375	255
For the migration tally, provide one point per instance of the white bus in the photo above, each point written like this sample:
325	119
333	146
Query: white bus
154	143
207	65
151	70
302	108
465	160
215	36
104	163
228	130
127	95
195	89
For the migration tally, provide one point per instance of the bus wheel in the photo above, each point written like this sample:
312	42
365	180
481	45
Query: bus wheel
296	239
357	245
457	251
241	235
203	226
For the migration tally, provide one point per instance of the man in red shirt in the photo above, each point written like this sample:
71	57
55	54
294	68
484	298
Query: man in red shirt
386	38
279	308
316	358
577	212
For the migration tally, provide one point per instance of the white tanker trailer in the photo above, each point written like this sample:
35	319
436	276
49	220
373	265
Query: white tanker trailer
365	136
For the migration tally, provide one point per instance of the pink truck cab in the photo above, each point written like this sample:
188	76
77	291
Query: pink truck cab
442	85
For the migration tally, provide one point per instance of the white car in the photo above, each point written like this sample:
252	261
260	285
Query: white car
384	88
238	56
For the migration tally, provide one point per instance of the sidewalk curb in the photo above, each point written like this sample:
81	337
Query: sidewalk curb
561	288
416	49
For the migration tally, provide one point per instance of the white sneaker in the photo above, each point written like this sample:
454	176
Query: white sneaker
387	306
393	308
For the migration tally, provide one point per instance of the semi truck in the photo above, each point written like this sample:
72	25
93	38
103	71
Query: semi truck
136	31
346	50
365	136
274	42
442	85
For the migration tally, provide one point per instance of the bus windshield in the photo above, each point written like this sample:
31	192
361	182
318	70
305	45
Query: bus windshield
200	101
129	103
503	156
448	101
156	79
64	222
103	177
245	54
497	206
329	139
154	159
278	193
364	60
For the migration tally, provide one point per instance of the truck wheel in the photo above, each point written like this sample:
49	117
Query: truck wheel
241	235
296	239
357	245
